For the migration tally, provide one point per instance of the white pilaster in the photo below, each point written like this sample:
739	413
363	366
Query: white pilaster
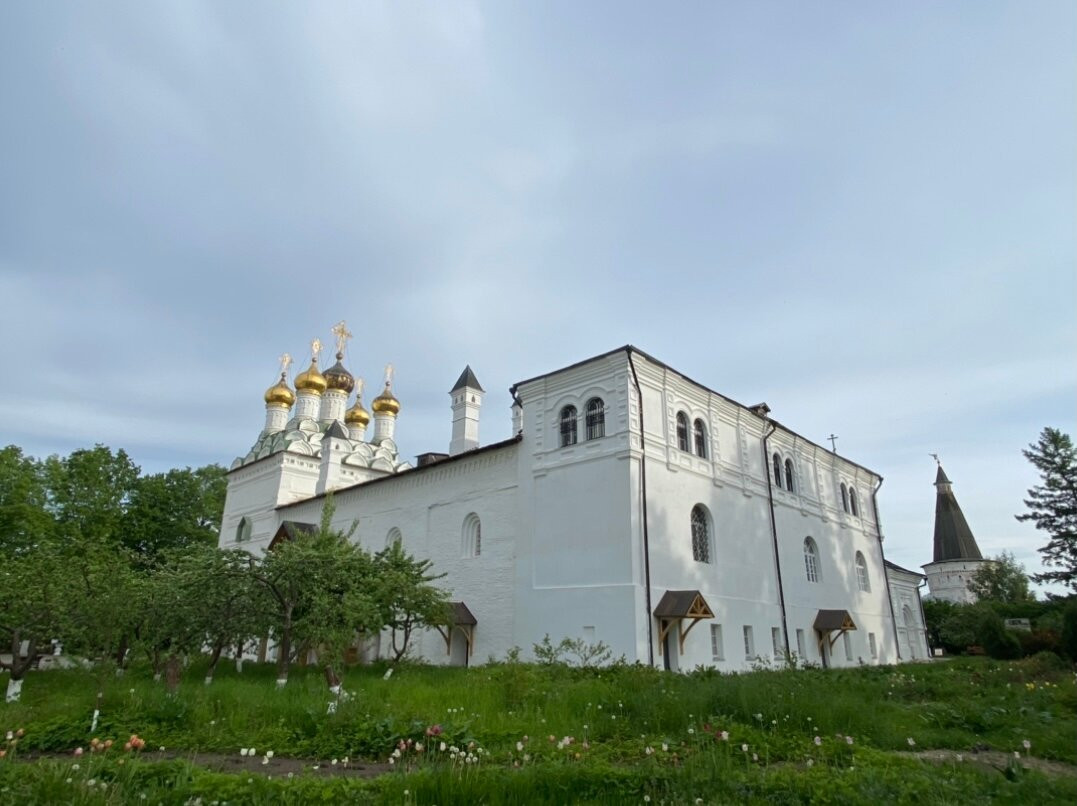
307	404
276	418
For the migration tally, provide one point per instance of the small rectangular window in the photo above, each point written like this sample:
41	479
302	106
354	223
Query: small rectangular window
848	646
776	640
717	648
801	648
871	644
749	643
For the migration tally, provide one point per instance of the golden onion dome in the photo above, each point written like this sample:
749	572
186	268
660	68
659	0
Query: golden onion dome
336	377
280	394
357	415
385	403
310	380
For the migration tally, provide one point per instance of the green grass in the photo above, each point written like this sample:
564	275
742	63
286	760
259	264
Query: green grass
615	717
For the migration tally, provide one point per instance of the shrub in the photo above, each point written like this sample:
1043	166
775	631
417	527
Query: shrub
1069	630
1039	641
996	640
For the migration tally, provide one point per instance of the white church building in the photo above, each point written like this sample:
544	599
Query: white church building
632	506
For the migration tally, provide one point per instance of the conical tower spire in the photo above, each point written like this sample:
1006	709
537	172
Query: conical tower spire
953	537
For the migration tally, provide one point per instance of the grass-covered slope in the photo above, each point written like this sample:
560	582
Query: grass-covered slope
525	733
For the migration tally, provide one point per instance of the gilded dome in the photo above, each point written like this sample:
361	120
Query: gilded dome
310	380
357	415
280	394
336	377
385	403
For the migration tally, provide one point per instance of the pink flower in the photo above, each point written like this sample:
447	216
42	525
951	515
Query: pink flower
78	751
433	730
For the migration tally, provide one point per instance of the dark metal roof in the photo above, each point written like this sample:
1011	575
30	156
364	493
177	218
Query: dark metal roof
337	429
461	616
467	379
290	530
683	604
827	620
953	537
896	567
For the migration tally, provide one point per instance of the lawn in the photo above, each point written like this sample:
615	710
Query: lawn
945	732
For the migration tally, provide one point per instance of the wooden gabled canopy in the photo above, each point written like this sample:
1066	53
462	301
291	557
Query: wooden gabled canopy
676	607
460	619
290	530
833	621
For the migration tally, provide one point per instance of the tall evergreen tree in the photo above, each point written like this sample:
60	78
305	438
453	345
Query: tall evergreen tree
1052	505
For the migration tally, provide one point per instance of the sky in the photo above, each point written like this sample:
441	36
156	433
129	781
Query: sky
863	214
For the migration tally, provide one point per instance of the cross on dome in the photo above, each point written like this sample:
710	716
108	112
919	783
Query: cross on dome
340	330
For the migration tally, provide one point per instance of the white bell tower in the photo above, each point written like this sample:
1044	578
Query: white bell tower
466	401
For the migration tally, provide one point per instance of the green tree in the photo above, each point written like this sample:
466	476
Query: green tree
35	587
24	520
318	587
88	492
406	596
174	510
1052	505
1002	579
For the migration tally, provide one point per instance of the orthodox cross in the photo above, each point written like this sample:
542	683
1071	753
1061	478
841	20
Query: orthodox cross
358	389
935	456
340	330
833	438
388	375
315	348
285	362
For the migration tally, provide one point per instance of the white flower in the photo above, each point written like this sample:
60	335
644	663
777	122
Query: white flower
91	782
755	757
68	781
269	754
848	739
817	741
691	731
74	766
665	747
911	741
290	775
519	746
252	752
646	798
744	748
960	757
810	762
333	762
265	761
243	751
648	750
1026	744
1016	754
441	747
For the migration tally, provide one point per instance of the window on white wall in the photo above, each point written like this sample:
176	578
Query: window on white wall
811	560
844	497
243	530
776	641
699	432
394	538
717	645
789	475
871	645
682	430
472	536
776	467
749	642
568	426
802	650
862	580
848	645
854	505
701	535
596	418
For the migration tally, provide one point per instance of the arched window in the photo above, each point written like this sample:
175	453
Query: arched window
243	530
854	506
596	418
701	535
789	475
844	497
568	426
682	430
395	537
472	536
862	580
776	464
811	560
700	433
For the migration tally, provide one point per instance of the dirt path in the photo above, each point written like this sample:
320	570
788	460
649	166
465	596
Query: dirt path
995	760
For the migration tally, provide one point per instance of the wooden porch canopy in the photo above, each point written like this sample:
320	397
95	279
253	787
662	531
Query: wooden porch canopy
290	530
676	607
833	621
462	619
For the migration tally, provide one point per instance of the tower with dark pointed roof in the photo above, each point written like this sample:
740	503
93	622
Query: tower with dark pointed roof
466	397
957	558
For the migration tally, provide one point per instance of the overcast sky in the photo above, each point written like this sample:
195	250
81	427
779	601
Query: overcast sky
863	214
